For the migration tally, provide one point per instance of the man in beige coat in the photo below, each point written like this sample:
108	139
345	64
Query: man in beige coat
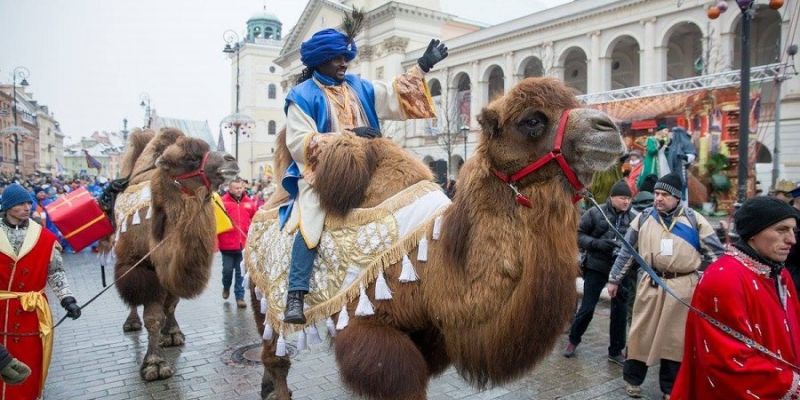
671	238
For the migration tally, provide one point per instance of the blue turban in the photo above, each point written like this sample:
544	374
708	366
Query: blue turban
324	46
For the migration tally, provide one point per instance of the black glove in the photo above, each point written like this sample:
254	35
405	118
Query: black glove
367	132
71	305
605	245
15	372
436	51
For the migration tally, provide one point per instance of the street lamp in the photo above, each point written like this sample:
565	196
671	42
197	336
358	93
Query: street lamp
15	130
144	102
238	122
791	51
465	131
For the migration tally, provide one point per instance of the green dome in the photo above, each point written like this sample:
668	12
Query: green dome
264	15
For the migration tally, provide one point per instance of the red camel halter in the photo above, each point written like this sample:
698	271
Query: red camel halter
200	171
554	154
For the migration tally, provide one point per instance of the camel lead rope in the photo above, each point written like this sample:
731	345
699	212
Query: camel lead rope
116	280
713	321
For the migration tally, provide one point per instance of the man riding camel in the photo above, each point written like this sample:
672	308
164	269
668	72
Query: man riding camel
327	102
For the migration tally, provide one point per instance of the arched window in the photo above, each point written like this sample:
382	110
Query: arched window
685	51
435	87
496	88
625	63
271	128
271	91
533	67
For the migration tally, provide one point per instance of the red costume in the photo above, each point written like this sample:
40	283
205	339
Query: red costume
26	324
241	213
737	291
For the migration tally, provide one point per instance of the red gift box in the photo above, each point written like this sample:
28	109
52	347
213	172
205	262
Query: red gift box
79	218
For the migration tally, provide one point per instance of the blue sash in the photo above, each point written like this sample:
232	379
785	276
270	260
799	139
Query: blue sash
312	101
683	231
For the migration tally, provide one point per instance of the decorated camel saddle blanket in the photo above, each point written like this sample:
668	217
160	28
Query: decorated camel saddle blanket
352	254
130	206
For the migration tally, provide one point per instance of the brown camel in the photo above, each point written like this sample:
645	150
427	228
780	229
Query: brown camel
179	173
498	288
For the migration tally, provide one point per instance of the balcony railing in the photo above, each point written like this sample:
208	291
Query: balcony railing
721	79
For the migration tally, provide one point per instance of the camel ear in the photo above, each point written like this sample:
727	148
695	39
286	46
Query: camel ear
489	119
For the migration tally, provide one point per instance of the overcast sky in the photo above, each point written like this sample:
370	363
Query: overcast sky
90	60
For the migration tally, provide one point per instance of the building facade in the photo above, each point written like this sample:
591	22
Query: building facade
598	48
260	95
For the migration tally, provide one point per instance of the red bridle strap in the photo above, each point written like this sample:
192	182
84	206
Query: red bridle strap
200	171
554	154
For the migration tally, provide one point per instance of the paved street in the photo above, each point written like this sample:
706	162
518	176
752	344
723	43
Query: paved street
94	359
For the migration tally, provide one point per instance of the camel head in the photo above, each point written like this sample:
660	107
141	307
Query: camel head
191	164
521	127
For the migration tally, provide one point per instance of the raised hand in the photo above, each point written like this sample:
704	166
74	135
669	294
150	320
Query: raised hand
436	51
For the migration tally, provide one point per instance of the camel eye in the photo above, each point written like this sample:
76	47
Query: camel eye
533	125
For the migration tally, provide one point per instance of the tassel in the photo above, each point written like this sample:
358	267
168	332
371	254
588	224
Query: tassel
136	220
364	306
280	347
382	291
302	342
259	293
264	305
313	335
124	224
246	281
267	331
422	250
408	274
344	319
116	238
149	212
331	327
437	228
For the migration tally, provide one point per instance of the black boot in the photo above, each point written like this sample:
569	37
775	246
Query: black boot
294	308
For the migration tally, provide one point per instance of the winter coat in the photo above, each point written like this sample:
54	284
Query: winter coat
593	228
679	147
241	213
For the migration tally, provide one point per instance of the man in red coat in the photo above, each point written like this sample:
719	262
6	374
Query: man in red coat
29	258
748	290
241	209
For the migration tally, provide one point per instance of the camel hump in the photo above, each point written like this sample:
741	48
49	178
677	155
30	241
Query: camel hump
343	174
137	141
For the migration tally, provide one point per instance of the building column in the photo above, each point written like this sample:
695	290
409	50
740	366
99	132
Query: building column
510	75
647	57
659	65
596	75
476	93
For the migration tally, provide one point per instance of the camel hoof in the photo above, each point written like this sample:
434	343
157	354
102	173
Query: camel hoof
274	396
172	339
132	326
155	368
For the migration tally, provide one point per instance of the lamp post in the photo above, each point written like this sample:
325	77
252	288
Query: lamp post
144	102
746	6
791	51
237	122
465	131
17	131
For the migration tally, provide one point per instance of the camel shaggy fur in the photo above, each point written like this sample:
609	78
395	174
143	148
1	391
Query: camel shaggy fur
180	266
498	288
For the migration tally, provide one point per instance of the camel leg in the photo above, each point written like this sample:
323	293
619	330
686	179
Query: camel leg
365	344
171	334
273	382
132	323
154	367
276	369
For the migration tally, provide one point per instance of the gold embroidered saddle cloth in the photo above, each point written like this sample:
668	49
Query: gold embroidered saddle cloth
128	205
352	253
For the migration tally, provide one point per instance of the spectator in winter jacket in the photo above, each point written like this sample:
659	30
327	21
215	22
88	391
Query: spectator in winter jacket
241	210
600	245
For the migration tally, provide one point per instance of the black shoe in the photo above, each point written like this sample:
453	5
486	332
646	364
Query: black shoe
294	308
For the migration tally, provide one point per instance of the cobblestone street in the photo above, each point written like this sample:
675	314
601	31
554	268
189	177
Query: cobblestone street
94	359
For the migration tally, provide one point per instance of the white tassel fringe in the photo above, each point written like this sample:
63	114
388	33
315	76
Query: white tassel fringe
280	347
149	213
263	305
408	274
382	291
302	342
267	332
313	335
344	319
136	220
364	306
422	250
331	327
